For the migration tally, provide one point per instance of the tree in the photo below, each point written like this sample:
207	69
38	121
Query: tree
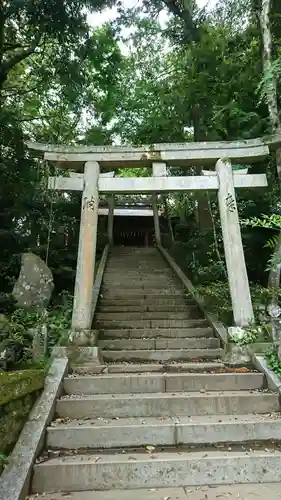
269	93
63	102
28	27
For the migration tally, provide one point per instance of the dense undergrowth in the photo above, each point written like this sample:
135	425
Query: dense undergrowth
203	262
16	331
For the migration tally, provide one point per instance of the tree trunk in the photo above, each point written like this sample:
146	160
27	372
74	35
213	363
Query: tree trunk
203	214
267	66
271	96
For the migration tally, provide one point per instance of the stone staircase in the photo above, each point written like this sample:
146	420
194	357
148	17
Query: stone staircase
144	315
162	411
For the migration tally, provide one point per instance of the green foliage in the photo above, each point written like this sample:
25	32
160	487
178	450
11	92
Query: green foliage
273	360
59	319
269	80
216	297
256	333
273	222
250	336
29	28
217	300
3	462
16	337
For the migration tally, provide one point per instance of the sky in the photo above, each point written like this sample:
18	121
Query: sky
97	19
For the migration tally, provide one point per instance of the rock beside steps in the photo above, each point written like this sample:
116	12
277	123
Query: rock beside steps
163	412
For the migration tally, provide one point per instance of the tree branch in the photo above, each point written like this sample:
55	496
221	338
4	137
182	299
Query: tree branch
185	14
2	35
9	64
19	91
13	46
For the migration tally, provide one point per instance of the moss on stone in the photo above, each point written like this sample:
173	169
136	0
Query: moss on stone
18	392
12	420
14	385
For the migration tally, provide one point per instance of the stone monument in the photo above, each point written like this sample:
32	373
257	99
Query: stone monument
33	291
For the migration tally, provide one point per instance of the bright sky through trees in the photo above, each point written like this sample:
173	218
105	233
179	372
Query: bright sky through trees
96	19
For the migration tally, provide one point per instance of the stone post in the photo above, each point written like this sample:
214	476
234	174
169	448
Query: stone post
233	248
110	219
85	271
158	170
156	219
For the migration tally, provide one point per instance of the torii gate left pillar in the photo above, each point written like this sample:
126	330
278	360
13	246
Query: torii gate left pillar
84	281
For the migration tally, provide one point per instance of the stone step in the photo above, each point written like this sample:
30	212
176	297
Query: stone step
134	264
146	276
147	315
143	254
119	292
151	323
162	382
146	308
228	492
150	300
93	368
110	292
158	344
167	404
138	432
141	284
149	269
161	355
103	471
158	333
117	250
149	274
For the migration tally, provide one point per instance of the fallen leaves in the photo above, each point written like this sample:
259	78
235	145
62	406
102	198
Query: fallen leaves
150	448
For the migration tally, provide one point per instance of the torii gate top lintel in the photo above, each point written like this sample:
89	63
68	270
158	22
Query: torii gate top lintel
175	154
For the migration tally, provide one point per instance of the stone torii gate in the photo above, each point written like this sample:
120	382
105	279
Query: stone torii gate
91	182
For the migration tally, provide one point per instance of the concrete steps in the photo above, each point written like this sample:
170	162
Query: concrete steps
157	333
158	344
150	323
161	431
162	382
146	300
214	492
166	404
136	307
139	283
141	296
173	367
142	316
134	470
127	292
162	411
162	355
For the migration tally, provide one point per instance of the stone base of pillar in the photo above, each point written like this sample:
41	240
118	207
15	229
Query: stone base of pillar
83	338
237	356
79	355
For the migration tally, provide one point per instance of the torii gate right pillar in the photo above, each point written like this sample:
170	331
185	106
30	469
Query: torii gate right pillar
233	247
